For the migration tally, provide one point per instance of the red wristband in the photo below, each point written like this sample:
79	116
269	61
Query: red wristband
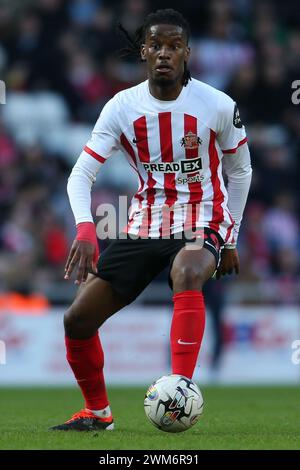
86	231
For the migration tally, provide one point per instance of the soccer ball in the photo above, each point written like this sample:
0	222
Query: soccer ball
173	403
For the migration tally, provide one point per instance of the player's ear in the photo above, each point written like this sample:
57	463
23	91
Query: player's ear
187	53
143	52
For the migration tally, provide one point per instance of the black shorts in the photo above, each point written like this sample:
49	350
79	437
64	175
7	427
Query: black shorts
131	264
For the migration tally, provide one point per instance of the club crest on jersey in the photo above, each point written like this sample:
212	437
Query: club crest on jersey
190	141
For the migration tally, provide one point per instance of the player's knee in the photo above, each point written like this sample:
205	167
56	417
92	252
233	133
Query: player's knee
74	323
68	322
188	277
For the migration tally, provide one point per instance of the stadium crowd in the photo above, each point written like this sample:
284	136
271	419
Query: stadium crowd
60	63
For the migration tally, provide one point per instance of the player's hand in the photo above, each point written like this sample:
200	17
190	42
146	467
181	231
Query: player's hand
229	262
85	254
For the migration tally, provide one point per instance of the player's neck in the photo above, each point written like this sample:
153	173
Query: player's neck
165	93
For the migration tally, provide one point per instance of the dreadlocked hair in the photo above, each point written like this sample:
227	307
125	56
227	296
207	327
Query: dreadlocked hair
166	16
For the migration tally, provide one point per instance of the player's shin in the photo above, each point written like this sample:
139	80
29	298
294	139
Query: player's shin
86	360
187	331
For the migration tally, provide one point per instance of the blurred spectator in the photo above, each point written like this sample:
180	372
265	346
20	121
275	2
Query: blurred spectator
216	56
255	252
242	88
281	226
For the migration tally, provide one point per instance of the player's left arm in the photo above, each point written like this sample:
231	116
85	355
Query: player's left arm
239	172
237	167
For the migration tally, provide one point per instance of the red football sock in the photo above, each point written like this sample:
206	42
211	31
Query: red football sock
86	359
187	331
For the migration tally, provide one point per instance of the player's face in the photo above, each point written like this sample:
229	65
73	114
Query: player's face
165	51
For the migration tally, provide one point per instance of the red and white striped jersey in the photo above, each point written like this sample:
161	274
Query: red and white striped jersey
176	148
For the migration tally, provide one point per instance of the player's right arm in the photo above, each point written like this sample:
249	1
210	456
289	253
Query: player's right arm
103	144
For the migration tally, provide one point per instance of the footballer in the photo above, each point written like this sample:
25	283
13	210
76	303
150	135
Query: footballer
180	135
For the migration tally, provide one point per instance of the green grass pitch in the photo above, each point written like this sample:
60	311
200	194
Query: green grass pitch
233	418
